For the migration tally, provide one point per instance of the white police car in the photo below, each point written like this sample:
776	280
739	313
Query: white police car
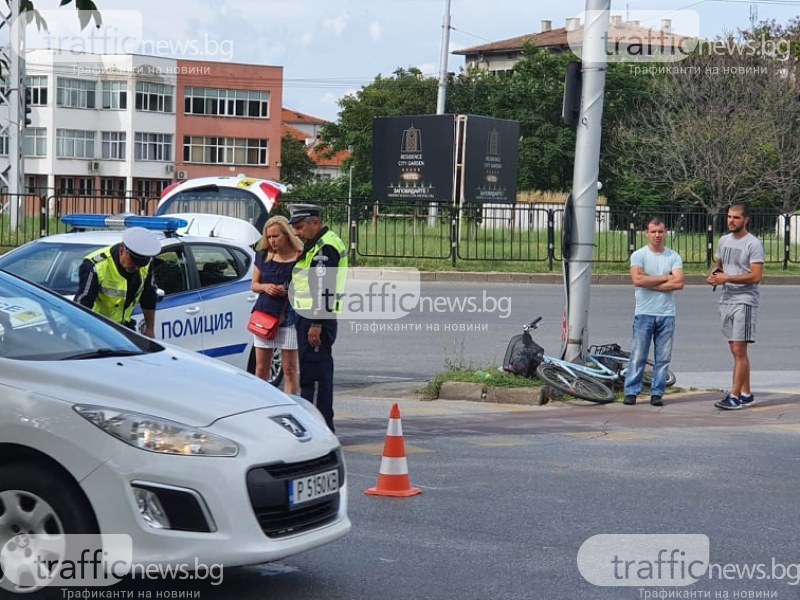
105	431
205	276
245	198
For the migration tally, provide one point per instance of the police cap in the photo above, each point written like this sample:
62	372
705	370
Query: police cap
141	244
300	212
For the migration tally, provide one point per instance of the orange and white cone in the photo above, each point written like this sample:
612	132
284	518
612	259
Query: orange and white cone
393	479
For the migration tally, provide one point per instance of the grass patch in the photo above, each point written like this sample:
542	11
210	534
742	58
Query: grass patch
490	377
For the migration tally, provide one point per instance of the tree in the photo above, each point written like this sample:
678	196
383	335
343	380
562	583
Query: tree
407	92
715	133
532	93
296	165
87	12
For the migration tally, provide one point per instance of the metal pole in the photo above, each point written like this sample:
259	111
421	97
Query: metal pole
585	177
433	207
16	112
440	98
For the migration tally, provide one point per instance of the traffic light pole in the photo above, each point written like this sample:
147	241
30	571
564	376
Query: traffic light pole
578	263
14	179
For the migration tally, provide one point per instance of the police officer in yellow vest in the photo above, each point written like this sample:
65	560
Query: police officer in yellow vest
318	282
114	279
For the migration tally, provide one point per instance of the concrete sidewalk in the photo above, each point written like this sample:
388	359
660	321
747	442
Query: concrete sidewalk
697	406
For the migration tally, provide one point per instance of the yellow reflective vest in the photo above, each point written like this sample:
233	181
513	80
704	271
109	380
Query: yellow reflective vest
110	300
305	267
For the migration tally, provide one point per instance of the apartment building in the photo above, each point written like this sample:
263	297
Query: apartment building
623	37
127	124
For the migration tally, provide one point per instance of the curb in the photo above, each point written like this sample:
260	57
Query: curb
545	278
477	392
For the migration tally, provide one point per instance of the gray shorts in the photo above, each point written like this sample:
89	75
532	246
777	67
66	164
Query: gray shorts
738	322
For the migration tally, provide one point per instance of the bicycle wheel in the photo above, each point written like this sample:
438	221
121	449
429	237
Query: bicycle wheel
622	366
647	380
575	384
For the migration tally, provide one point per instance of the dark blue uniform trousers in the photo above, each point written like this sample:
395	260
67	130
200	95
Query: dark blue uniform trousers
316	366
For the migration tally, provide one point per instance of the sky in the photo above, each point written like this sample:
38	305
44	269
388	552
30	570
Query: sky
330	48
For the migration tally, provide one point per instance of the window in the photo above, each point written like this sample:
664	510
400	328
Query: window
113	145
170	272
150	188
4	143
85	186
154	97
37	84
226	103
153	146
66	186
215	265
35	141
115	94
227	151
112	187
75	93
74	143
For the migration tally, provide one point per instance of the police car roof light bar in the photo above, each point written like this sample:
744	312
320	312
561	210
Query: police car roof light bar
83	221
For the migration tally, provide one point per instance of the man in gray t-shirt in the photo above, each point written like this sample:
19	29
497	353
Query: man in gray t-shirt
739	268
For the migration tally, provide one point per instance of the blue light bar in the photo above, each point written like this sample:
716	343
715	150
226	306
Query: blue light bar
83	221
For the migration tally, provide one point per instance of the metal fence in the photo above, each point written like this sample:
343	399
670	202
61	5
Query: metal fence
522	232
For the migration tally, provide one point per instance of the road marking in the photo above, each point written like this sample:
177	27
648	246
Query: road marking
377	449
792	428
507	441
613	436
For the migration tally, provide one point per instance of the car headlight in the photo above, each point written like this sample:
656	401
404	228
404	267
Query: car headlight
155	434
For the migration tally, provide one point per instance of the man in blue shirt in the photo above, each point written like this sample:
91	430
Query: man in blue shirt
656	272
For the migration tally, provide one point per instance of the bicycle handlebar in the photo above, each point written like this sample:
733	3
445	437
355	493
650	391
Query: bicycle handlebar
533	324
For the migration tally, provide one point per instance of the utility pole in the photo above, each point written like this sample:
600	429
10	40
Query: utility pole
13	177
578	265
441	96
442	93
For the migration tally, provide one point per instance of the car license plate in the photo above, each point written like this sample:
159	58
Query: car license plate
305	489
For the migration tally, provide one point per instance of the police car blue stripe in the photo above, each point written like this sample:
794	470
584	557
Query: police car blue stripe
225	350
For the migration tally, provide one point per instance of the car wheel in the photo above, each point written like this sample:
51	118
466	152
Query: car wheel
276	369
35	500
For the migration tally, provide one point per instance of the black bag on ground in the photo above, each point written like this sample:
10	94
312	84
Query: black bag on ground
523	356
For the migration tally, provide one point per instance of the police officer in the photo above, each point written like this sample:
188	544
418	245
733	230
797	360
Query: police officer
114	279
317	284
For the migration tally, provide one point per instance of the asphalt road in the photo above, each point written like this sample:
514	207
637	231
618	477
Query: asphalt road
511	494
478	339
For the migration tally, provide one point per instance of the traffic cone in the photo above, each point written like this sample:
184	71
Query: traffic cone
393	479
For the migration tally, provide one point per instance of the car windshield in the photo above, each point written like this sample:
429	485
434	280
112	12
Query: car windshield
54	266
38	325
218	200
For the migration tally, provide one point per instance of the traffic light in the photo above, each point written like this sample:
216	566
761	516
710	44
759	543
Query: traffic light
27	106
571	108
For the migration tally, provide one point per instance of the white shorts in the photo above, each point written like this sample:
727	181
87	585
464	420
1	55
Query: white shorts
285	340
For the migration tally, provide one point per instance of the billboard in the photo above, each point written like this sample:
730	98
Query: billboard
491	160
413	158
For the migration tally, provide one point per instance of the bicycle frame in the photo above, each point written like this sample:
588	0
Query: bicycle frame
596	370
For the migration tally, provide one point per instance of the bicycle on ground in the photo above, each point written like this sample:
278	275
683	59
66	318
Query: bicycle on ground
605	365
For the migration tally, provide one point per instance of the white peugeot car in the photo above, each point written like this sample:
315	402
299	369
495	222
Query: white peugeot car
105	431
205	270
